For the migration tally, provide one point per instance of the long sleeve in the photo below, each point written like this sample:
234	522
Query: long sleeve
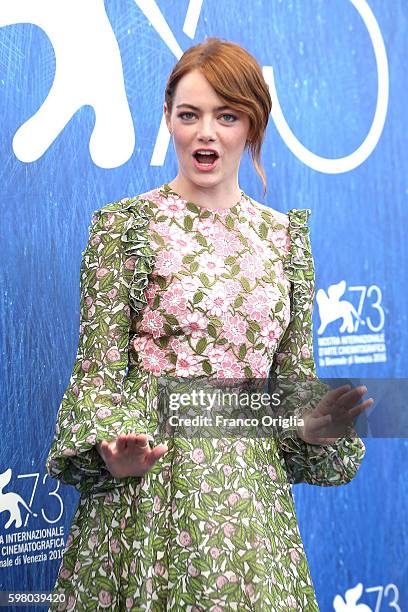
95	405
294	371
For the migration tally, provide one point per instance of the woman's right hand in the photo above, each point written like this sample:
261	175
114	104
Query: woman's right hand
130	455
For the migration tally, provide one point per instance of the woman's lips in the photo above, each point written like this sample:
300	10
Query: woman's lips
205	167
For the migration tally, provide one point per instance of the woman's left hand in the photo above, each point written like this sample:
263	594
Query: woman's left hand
333	415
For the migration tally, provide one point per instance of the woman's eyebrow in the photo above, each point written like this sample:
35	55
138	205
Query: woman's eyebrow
219	108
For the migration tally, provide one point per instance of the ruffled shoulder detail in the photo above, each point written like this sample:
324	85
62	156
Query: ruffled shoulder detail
299	265
134	236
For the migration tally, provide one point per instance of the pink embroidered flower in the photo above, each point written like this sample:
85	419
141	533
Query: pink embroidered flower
229	529
65	573
69	541
162	228
205	487
257	305
113	355
86	365
194	324
271	472
184	538
226	243
149	586
152	323
114	545
233	498
294	555
174	206
129	603
235	329
198	455
252	266
157	503
193	571
211	263
240	448
103	413
92	541
151	291
159	569
227	469
229	368
271	331
112	293
186	364
214	552
75	427
97	381
292	603
174	301
175	344
101	272
168	262
216	304
305	352
215	354
249	589
95	241
220	581
154	359
259	363
130	263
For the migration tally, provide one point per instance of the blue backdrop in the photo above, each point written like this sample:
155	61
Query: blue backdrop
81	94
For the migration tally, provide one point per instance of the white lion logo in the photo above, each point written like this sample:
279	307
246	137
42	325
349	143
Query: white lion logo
9	502
332	308
352	597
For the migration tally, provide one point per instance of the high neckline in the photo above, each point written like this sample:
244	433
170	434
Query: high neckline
166	190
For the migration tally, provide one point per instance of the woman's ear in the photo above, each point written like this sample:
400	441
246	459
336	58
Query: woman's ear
167	117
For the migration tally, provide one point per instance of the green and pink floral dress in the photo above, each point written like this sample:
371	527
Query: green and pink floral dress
172	288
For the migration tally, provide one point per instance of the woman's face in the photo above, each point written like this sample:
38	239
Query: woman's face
197	122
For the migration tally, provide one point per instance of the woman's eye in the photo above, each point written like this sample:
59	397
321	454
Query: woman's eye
183	116
228	115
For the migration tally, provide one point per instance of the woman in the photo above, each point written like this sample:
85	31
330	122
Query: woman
194	279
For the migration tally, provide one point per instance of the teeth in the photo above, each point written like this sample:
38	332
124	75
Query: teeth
205	152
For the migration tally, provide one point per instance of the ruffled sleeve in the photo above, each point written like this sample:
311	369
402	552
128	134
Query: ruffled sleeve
294	373
114	272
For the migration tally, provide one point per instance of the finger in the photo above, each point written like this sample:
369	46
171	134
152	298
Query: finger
363	406
353	396
331	397
121	443
156	453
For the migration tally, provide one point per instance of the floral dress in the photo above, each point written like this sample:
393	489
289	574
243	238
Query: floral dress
172	288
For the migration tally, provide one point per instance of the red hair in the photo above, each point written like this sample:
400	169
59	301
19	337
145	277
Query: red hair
237	78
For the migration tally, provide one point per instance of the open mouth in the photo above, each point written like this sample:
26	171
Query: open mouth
206	159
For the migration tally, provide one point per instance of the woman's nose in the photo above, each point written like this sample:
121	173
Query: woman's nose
206	130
